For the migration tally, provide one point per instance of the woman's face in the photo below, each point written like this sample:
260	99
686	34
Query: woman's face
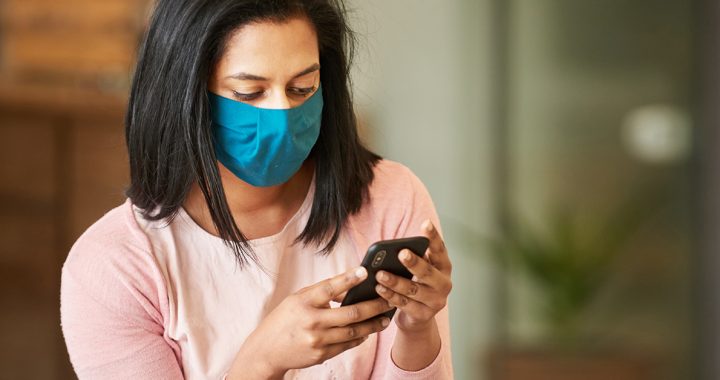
269	65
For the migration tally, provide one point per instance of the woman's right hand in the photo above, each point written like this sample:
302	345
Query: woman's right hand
303	330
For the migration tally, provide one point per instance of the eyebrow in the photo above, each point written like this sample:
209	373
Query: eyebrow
246	76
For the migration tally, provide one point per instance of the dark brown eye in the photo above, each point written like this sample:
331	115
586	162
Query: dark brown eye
302	91
247	97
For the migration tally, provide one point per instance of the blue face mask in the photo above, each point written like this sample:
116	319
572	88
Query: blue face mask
264	147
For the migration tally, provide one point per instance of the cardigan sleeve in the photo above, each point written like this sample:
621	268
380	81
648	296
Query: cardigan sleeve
111	299
409	216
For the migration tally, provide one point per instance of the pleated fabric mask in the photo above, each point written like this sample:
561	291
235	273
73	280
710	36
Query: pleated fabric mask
264	147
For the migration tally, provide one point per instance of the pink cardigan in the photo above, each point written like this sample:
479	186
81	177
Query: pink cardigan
124	305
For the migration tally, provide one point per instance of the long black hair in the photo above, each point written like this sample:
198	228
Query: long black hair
168	127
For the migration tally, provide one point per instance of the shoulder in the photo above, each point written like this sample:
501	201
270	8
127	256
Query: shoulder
394	196
393	180
112	295
111	263
116	234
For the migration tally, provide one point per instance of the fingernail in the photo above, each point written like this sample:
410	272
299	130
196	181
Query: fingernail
360	272
384	322
380	289
382	276
405	255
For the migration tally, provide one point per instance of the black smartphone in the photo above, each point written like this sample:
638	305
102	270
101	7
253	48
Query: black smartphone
383	255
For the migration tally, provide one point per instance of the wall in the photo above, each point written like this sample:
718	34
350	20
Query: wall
423	91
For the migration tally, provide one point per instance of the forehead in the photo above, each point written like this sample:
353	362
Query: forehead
270	48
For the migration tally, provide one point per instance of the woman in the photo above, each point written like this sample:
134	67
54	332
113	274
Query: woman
250	206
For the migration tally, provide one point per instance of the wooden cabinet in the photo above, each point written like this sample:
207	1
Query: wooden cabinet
84	44
550	364
65	68
60	170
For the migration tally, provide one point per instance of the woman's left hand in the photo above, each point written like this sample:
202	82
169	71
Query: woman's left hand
419	299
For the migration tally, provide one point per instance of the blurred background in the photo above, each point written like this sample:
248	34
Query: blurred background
569	146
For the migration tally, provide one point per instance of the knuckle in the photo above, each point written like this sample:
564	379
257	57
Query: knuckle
318	355
351	332
328	289
301	300
403	300
392	299
439	305
353	313
396	299
312	323
413	289
314	341
448	287
305	321
381	305
428	271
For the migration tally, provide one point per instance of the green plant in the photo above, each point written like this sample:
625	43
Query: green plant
570	268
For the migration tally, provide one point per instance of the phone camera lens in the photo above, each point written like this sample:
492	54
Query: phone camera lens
378	259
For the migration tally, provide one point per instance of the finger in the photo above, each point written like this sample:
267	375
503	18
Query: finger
355	330
349	314
411	289
415	309
437	254
423	271
338	348
340	297
323	292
